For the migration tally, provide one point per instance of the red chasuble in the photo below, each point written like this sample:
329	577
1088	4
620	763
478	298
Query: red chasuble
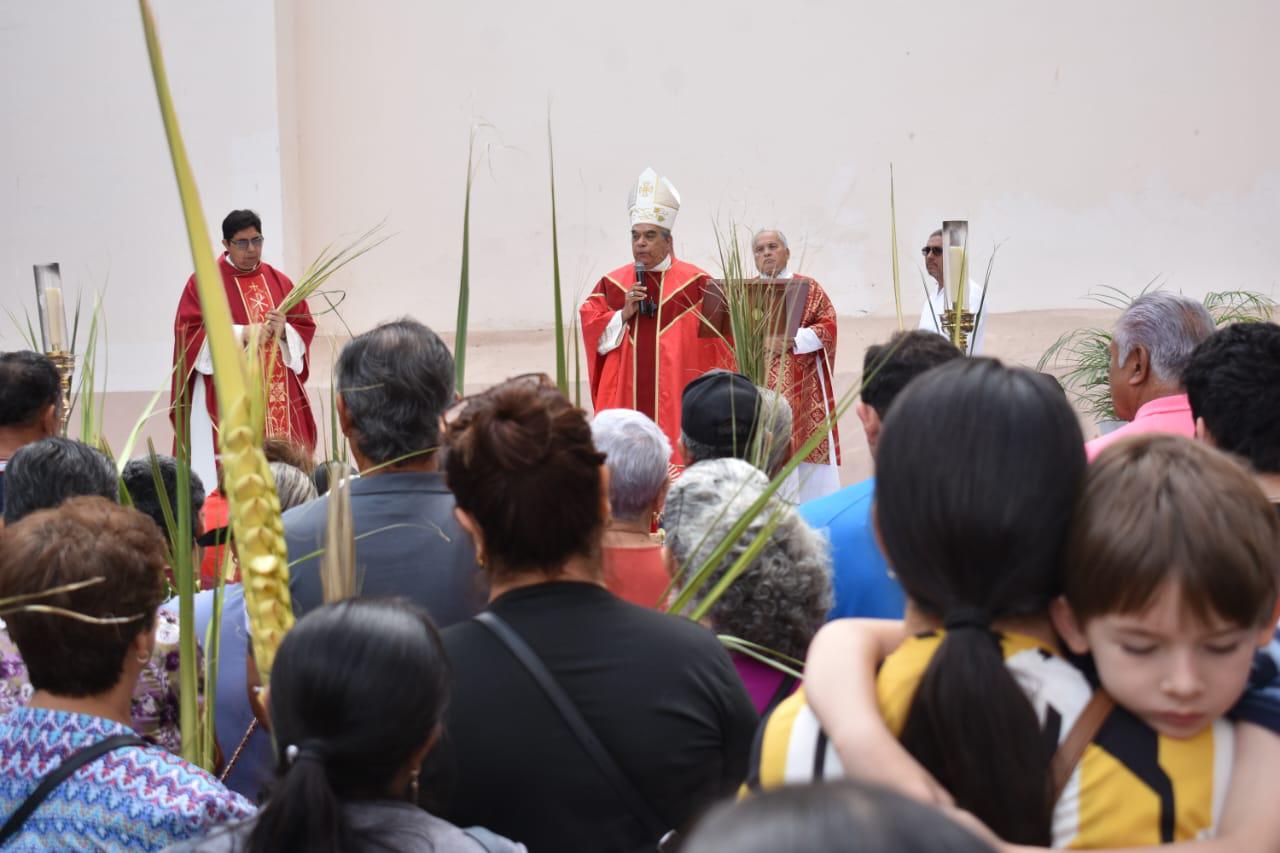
658	355
811	397
251	295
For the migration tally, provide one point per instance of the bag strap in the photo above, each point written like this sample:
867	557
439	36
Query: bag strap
59	774
1078	739
608	767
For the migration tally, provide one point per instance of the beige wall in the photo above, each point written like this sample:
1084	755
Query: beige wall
1103	143
1100	142
85	175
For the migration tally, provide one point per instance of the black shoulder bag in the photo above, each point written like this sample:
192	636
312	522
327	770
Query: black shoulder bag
58	775
605	763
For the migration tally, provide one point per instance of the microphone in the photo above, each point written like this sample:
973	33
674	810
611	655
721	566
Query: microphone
647	308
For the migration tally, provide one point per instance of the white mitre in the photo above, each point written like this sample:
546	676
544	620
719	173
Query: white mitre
653	200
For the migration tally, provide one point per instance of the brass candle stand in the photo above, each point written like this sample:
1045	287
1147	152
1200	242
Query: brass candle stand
65	363
958	337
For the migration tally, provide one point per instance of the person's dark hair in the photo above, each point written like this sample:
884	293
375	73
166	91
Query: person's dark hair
1233	382
974	527
888	367
28	385
833	817
290	453
1160	509
43	474
521	462
237	221
84	539
139	482
346	719
395	381
325	472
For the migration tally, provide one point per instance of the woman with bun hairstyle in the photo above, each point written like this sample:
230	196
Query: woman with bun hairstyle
657	694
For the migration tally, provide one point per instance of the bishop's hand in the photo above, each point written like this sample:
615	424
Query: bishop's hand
637	294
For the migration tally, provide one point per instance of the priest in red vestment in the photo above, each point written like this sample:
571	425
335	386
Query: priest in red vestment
802	371
253	289
640	323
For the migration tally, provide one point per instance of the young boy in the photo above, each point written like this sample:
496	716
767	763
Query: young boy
1171	586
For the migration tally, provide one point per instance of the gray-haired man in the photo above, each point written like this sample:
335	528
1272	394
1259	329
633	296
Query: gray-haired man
1151	346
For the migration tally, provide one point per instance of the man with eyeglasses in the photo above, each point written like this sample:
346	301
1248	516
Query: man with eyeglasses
253	289
931	313
640	323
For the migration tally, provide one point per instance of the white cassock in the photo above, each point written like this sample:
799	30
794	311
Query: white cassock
203	453
931	313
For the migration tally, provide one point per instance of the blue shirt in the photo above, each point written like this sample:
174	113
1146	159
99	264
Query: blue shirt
255	767
862	583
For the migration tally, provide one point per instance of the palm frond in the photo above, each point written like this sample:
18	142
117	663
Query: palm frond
893	250
464	278
338	563
562	378
253	506
329	262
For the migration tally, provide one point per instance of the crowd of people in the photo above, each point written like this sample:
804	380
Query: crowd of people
1007	639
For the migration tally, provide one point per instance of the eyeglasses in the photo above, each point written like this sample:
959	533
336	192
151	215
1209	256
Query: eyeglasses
936	251
524	380
243	245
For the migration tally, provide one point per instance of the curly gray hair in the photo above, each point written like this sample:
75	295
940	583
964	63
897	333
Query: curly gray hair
775	439
293	486
782	599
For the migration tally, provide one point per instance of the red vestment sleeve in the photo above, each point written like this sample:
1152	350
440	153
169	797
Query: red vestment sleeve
594	316
188	337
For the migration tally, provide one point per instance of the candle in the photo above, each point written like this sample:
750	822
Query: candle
57	319
956	275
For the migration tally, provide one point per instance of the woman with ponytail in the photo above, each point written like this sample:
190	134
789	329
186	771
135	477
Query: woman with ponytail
977	472
579	721
356	700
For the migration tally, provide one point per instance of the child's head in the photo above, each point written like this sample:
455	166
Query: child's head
1171	579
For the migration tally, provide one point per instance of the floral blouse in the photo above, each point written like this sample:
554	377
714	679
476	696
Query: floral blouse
155	698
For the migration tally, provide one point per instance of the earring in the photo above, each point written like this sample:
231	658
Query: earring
413	786
480	559
142	658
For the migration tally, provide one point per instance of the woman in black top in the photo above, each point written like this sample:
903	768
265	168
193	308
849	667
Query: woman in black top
658	692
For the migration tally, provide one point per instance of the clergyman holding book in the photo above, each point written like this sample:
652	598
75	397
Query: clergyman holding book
802	370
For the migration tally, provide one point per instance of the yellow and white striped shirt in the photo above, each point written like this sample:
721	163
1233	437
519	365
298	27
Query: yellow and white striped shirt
1131	787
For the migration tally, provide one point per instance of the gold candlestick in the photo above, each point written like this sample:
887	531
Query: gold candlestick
949	322
65	363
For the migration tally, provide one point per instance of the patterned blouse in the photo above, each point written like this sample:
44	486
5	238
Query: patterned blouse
133	798
155	698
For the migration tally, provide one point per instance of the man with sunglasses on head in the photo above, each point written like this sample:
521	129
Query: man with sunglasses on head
931	312
641	322
254	291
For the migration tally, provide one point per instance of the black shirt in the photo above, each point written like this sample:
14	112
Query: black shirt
659	692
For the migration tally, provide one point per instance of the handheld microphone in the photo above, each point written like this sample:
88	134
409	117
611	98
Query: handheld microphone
648	308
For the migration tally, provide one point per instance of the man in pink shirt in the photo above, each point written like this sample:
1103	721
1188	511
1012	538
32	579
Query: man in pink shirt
1150	347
